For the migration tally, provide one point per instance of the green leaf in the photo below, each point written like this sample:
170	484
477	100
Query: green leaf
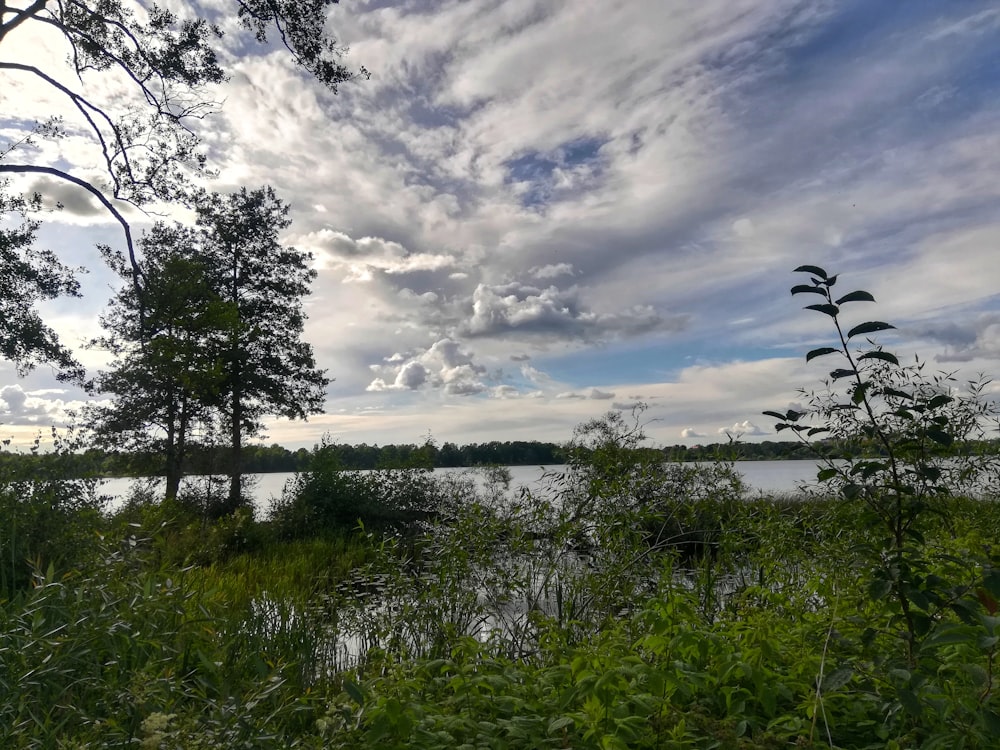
774	414
830	310
941	437
951	633
859	296
884	356
991	581
355	692
842	373
909	701
879	589
822	351
992	721
837	679
807	289
560	723
818	430
824	475
851	491
814	270
872	326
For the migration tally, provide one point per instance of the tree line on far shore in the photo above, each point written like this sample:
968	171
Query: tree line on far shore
262	459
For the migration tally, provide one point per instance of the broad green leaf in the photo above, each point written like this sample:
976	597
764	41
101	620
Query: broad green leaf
830	310
884	356
858	296
807	289
872	326
352	689
879	588
822	351
814	270
559	723
842	373
991	580
824	475
941	437
818	430
774	414
951	633
837	679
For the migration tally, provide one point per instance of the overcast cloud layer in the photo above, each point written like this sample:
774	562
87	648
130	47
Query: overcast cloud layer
536	211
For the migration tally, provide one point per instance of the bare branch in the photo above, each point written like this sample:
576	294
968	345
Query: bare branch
85	108
21	16
32	169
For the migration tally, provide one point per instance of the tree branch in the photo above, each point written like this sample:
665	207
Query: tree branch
83	106
137	273
20	17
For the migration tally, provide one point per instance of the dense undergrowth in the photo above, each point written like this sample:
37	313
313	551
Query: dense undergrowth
633	604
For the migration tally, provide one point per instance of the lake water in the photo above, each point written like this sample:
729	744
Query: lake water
767	477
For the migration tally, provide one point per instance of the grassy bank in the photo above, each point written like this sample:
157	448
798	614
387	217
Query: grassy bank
653	607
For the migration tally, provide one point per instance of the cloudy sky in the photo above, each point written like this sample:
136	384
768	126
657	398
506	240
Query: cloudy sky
536	211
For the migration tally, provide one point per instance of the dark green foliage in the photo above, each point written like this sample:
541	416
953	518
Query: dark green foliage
28	275
47	522
327	498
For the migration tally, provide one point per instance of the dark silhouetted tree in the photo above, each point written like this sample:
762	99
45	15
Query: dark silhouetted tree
267	368
167	375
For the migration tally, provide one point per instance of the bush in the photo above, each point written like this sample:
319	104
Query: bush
328	498
46	521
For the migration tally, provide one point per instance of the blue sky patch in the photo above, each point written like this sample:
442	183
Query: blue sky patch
545	175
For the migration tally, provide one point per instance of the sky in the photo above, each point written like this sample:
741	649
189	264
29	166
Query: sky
537	211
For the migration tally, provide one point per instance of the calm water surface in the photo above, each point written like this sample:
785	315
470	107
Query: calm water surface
767	477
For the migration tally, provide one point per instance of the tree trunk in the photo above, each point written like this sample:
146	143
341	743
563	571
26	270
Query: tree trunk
236	454
171	458
175	462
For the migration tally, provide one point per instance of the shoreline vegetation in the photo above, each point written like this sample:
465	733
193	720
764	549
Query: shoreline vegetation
260	459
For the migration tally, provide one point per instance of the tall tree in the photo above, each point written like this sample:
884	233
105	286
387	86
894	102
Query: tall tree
147	143
267	368
168	370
